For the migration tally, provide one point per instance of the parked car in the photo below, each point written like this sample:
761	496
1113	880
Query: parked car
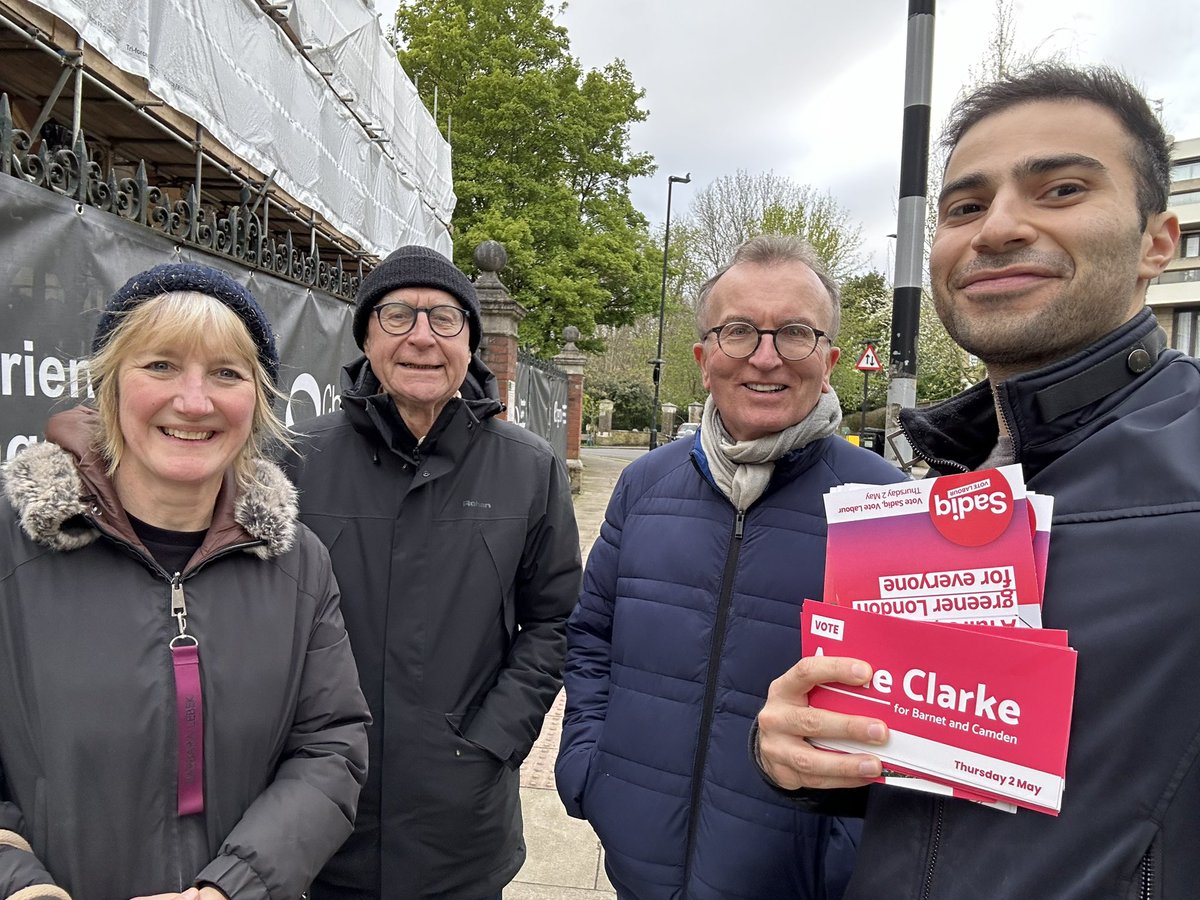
687	431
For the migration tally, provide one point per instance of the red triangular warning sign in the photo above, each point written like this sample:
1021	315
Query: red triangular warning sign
869	361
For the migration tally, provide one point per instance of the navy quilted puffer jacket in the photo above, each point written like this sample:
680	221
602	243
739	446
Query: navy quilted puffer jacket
689	611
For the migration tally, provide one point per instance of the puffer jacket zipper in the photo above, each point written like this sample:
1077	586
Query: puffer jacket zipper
724	601
1146	871
935	845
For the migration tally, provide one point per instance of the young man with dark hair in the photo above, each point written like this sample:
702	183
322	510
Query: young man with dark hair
1052	222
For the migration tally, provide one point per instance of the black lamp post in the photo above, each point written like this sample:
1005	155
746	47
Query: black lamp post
657	362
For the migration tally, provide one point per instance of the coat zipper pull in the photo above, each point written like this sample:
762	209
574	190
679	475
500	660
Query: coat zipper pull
739	523
178	603
189	708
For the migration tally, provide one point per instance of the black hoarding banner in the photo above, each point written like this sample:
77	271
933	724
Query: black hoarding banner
540	404
59	264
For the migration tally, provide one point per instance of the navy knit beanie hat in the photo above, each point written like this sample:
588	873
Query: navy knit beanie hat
415	266
172	277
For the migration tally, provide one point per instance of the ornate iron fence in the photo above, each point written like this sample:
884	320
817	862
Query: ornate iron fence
236	231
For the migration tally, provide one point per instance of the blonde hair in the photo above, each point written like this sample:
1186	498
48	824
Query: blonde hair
189	320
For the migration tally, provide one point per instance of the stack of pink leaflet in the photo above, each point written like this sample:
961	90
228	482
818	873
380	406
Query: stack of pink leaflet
980	714
977	696
967	548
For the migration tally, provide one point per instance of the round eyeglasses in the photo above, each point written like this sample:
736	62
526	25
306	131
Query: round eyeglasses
399	318
741	339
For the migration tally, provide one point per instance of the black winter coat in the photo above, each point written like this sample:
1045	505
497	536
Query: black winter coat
459	564
1113	433
88	731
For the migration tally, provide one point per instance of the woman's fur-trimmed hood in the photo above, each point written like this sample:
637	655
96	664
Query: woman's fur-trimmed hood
44	486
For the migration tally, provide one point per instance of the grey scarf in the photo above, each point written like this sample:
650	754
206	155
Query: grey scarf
742	469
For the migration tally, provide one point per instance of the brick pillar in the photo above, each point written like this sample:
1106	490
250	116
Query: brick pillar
501	315
571	361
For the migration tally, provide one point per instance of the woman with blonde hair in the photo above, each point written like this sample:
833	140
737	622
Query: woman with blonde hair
180	715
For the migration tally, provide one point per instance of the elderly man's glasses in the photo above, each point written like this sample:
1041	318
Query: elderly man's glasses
741	339
399	318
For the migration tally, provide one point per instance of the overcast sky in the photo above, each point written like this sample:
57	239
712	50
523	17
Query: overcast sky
814	91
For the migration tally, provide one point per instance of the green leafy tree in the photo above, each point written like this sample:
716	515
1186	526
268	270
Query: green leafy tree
542	160
632	400
866	316
945	367
626	356
682	382
627	351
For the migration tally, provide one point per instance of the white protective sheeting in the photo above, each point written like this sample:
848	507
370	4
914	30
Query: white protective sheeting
226	64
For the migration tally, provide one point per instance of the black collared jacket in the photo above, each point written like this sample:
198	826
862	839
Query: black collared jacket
458	561
88	731
1113	434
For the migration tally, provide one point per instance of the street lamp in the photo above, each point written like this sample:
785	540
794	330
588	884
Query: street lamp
657	362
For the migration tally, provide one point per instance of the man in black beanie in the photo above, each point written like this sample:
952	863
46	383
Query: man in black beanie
453	539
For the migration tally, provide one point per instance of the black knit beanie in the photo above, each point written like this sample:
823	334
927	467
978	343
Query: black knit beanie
415	266
171	277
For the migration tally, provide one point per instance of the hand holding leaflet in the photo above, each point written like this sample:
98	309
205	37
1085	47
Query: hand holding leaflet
963	707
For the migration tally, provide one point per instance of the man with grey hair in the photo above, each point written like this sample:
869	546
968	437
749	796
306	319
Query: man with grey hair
772	249
453	539
691	604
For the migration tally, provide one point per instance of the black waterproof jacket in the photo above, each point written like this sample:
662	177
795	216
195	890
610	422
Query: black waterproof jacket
1114	434
459	564
88	730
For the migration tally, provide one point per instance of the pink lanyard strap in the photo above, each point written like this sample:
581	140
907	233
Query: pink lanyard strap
189	721
189	709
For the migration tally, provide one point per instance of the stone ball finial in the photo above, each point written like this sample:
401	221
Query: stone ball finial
570	334
490	256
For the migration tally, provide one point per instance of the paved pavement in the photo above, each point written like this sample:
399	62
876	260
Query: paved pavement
564	860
